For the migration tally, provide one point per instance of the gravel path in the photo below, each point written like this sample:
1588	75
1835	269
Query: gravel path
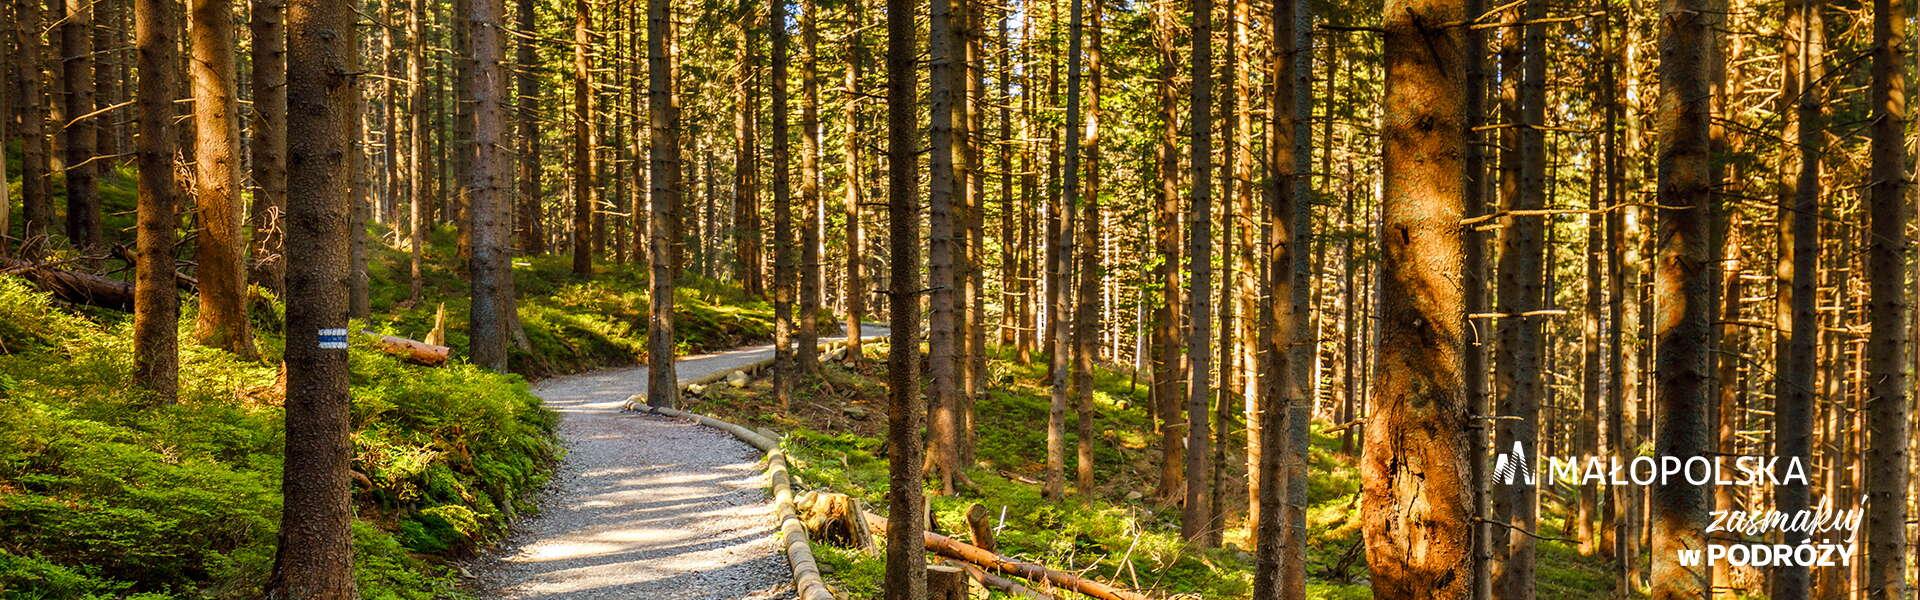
644	506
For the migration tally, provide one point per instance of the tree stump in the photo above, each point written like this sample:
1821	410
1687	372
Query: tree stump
980	523
834	519
946	583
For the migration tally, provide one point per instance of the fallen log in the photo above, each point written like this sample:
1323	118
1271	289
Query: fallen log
954	549
74	286
414	351
1002	584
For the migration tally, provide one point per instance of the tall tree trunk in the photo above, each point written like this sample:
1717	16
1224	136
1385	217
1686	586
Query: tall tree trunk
156	306
533	236
943	188
1414	474
489	208
812	204
1061	232
269	143
1474	361
220	244
1291	353
1519	378
315	559
856	243
1229	276
1681	281
1888	340
663	176
82	130
1086	321
1168	369
418	208
906	577
584	208
36	161
1197	518
783	255
1796	271
746	200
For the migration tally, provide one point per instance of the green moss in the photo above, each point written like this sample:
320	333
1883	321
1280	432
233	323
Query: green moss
104	493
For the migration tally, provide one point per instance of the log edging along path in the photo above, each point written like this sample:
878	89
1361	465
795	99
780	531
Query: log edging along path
807	582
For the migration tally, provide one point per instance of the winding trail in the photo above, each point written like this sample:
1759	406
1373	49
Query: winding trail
644	506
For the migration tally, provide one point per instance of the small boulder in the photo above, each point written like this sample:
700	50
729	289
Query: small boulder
737	379
854	412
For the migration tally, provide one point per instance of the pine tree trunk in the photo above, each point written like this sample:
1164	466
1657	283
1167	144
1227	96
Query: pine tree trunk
746	200
315	560
156	308
783	250
943	352
663	175
1681	282
489	208
1168	368
1060	231
1414	473
1519	379
269	143
1888	341
418	208
82	132
584	209
220	244
906	577
1796	272
856	180
812	204
533	236
1196	517
36	166
1086	321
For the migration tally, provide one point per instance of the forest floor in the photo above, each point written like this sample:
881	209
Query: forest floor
644	506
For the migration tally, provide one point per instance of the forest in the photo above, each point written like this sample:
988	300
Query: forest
880	299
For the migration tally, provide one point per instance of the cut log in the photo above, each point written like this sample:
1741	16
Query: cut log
1001	584
835	519
946	583
74	286
413	351
954	549
980	523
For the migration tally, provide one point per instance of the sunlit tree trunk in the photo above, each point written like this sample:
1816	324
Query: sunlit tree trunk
219	244
943	191
1086	321
1795	274
1415	480
1681	279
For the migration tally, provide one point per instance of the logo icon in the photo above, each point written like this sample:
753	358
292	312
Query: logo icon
1513	465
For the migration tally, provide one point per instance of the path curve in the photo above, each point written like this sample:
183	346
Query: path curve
644	506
